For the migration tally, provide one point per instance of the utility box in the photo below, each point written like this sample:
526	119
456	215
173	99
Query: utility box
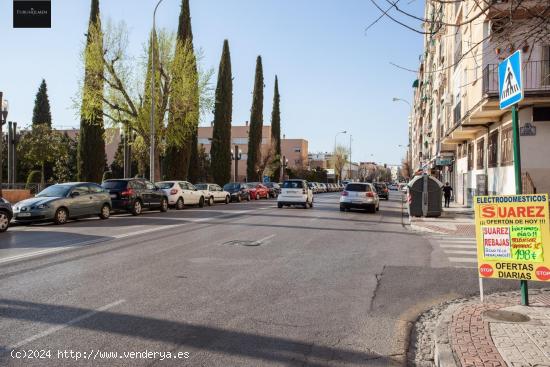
425	196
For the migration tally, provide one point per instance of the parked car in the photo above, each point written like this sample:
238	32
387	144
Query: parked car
274	189
135	194
214	193
6	213
181	193
295	192
322	187
360	195
382	190
257	190
238	191
393	187
61	202
312	187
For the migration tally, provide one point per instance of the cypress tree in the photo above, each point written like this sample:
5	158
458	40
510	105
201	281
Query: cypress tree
220	151
256	124
193	174
276	129
145	111
179	156
41	113
91	143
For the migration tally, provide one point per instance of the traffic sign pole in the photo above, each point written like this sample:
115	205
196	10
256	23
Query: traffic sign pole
519	187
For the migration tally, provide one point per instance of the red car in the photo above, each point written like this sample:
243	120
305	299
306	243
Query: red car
257	190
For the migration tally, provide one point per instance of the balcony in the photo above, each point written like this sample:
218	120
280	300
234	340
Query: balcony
536	78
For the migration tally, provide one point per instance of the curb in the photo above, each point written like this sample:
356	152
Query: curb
443	353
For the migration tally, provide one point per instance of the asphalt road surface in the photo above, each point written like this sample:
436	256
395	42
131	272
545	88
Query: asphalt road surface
243	284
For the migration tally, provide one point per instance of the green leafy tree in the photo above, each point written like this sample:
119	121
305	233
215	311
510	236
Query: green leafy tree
65	165
91	143
220	151
256	125
41	113
40	146
276	132
184	102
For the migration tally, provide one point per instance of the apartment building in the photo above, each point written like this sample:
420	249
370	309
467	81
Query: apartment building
458	133
295	151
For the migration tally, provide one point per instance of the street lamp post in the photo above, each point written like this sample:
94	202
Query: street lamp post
350	156
334	154
3	117
152	125
409	153
237	155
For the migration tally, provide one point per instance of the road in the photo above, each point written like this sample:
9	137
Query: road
231	285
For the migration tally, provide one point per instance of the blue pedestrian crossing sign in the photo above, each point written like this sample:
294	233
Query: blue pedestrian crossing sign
510	86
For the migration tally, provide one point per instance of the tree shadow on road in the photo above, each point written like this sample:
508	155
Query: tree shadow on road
213	339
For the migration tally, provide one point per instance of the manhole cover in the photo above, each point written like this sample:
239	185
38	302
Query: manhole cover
243	243
507	316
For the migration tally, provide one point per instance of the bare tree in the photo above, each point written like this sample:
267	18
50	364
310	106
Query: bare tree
339	160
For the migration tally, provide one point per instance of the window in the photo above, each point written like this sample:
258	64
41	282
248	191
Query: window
297	150
150	185
239	141
470	156
293	185
480	161
95	189
506	152
203	141
492	149
545	73
81	189
541	113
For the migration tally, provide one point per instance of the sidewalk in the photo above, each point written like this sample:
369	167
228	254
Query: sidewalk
499	332
457	220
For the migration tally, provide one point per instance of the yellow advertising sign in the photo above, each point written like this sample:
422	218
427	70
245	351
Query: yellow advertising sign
512	232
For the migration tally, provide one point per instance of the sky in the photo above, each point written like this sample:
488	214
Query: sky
333	75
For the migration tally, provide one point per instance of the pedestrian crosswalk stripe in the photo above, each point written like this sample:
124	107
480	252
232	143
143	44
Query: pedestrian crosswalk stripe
463	259
457	246
461	252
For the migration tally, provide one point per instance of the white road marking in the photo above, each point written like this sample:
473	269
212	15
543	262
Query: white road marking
461	252
119	236
265	239
463	259
69	323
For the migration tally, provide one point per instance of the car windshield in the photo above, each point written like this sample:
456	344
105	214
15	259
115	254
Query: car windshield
165	185
116	184
201	186
380	185
232	186
252	185
357	187
292	185
55	191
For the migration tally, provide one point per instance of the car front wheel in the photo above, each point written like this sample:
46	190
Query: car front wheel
210	201
179	204
248	197
105	212
279	205
227	199
4	221
201	202
61	215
